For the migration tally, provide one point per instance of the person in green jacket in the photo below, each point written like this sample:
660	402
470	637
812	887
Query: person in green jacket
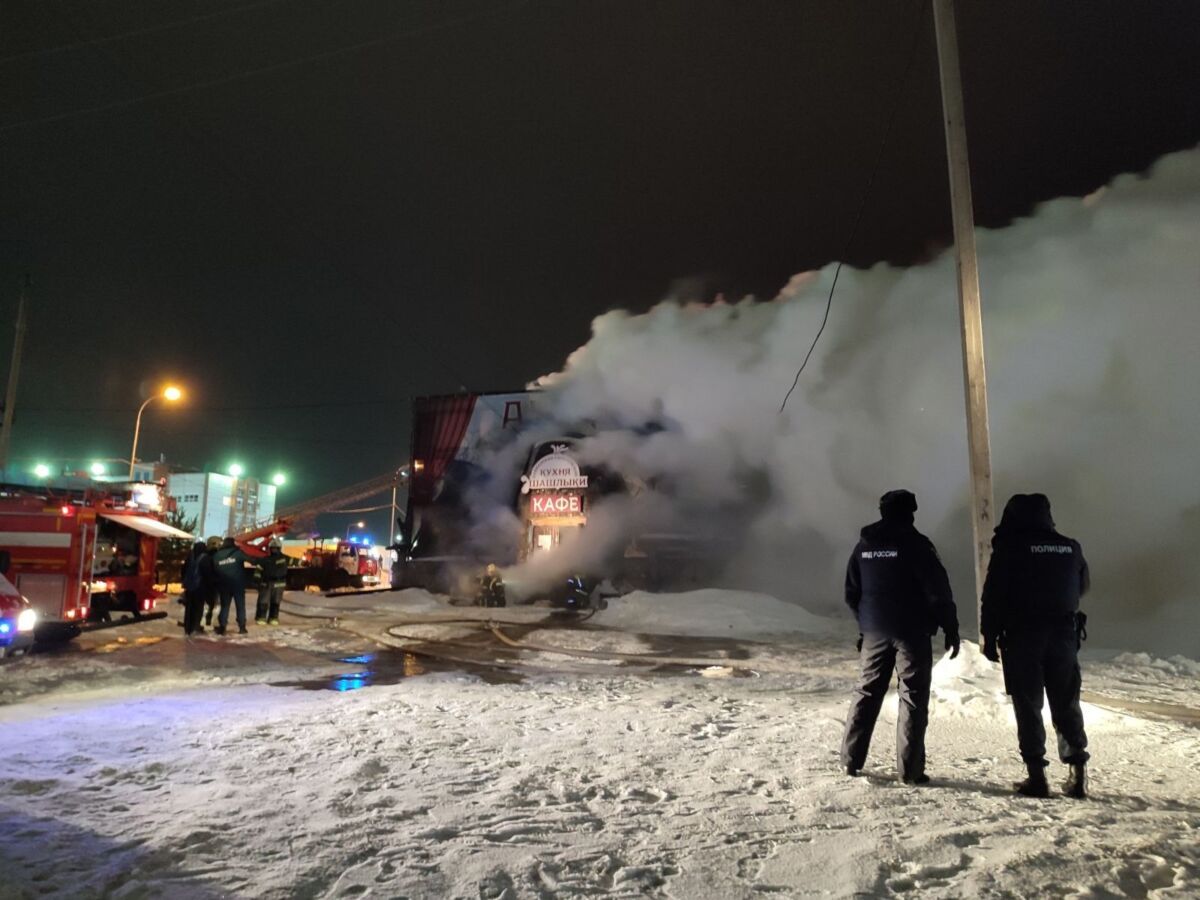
230	564
274	580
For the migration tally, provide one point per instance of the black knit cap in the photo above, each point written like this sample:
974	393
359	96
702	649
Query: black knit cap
895	503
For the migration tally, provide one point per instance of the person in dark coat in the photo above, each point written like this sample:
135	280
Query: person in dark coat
898	591
212	545
232	576
1030	616
198	586
274	580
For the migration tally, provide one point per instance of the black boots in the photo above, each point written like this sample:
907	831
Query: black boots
1076	784
1035	785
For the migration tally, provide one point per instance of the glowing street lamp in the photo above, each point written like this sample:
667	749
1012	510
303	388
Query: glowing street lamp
41	470
279	479
354	525
98	469
171	394
236	470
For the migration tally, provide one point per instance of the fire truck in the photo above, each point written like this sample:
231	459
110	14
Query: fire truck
347	564
83	554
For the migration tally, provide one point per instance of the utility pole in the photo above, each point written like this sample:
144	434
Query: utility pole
14	370
392	530
970	315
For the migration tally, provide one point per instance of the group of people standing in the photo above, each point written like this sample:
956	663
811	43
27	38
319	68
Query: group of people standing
219	569
898	591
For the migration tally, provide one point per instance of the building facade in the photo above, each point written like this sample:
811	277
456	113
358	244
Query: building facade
221	504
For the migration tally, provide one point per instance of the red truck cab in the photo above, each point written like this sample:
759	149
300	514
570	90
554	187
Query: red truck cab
81	554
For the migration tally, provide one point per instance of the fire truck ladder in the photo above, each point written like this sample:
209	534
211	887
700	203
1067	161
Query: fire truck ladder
303	516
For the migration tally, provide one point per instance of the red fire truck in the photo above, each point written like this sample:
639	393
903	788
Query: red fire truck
347	564
80	554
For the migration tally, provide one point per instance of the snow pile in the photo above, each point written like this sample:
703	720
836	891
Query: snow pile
969	684
1175	666
1090	317
713	613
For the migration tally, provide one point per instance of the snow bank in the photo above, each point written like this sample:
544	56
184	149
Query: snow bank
1173	666
713	613
969	684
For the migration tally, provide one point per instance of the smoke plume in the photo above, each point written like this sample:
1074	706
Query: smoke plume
1091	311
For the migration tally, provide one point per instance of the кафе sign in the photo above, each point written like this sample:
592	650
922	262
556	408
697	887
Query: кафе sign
554	503
556	486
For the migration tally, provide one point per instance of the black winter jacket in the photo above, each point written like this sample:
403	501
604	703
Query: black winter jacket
1036	575
229	563
200	564
896	585
274	567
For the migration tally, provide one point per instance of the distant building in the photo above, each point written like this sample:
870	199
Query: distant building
221	504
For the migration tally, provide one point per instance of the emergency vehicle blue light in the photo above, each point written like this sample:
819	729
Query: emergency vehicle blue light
353	682
5	627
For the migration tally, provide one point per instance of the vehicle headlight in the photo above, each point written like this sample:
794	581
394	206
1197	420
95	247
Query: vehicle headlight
26	620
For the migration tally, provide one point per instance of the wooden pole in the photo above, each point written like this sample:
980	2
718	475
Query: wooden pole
970	316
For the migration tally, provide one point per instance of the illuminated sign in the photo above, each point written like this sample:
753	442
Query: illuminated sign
557	471
555	504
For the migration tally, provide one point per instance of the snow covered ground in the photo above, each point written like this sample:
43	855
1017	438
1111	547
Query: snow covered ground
565	776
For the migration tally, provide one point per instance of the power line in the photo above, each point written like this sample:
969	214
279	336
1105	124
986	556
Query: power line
263	70
140	32
862	206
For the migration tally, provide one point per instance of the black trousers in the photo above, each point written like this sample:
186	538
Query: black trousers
269	596
193	609
1039	663
912	660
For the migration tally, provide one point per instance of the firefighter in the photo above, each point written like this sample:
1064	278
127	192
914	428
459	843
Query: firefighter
198	587
274	580
491	587
899	593
230	565
1030	619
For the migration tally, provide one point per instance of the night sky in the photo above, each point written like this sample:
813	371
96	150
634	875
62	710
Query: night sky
403	198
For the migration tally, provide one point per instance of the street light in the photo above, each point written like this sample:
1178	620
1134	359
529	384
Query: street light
171	394
99	469
354	525
279	479
236	470
41	470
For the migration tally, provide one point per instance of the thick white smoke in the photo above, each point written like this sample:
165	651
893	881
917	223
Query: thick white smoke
1091	317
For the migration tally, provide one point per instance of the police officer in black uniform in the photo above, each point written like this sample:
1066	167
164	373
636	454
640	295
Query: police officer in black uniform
1031	616
898	590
